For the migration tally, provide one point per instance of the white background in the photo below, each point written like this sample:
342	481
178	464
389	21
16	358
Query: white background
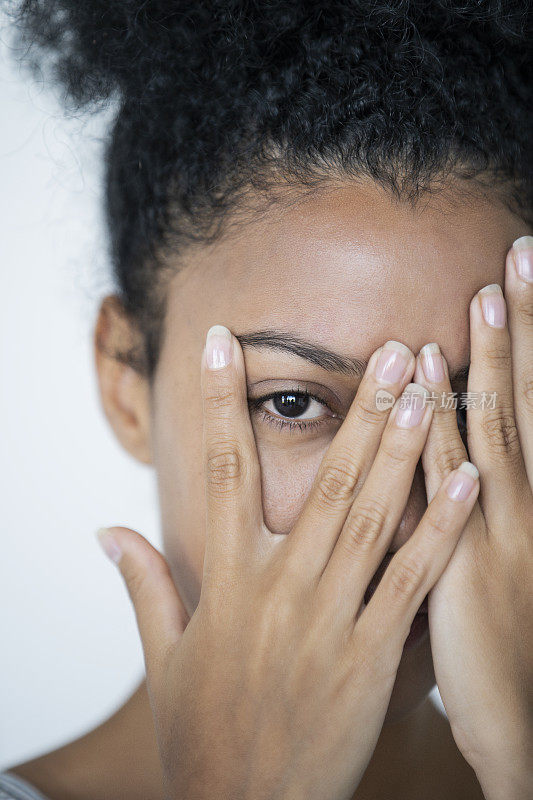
69	649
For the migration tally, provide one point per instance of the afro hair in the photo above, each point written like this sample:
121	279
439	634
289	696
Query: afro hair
219	97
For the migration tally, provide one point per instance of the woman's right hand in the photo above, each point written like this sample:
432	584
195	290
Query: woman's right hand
278	685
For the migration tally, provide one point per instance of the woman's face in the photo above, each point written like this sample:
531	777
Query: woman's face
344	270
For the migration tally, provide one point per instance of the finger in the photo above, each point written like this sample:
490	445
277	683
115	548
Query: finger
234	513
377	510
159	610
444	449
493	440
419	563
519	295
349	458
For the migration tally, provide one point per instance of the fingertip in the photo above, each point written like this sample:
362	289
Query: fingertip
520	260
218	347
469	468
109	544
463	481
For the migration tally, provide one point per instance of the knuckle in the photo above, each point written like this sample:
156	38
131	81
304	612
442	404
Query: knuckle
447	457
526	391
220	398
337	483
437	519
367	412
398	449
500	431
406	576
524	312
224	467
363	527
136	582
498	357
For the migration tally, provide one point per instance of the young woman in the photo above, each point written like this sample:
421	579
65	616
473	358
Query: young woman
341	194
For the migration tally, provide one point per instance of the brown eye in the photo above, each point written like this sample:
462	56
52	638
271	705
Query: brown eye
293	404
294	410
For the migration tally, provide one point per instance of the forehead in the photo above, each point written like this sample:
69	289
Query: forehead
350	267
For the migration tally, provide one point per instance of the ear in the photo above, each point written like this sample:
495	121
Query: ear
124	392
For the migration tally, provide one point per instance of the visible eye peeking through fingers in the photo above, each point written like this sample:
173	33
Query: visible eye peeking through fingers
300	411
293	410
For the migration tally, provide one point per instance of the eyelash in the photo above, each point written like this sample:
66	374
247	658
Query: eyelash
254	404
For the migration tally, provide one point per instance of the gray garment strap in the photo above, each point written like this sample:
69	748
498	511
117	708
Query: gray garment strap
12	787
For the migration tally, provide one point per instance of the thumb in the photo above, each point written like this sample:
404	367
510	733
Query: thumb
161	615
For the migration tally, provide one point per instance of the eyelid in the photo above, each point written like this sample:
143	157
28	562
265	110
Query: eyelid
332	395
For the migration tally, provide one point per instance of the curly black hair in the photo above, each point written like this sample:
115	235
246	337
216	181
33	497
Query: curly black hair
221	101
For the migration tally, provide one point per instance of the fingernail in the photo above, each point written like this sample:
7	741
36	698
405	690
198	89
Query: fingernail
411	406
392	362
432	364
218	346
109	545
493	305
523	257
463	481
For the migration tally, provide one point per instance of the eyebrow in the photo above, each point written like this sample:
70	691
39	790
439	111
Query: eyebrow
323	358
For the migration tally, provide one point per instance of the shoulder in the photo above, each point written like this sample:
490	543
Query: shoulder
13	787
117	759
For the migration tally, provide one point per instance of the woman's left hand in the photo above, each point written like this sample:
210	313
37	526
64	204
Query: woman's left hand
481	609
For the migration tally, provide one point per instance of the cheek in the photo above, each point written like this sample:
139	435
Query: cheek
287	478
287	475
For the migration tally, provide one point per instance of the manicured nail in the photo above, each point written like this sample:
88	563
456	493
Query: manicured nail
218	346
109	545
411	406
432	364
392	362
463	481
493	305
523	257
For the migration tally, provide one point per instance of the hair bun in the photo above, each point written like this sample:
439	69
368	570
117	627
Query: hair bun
139	48
96	48
219	96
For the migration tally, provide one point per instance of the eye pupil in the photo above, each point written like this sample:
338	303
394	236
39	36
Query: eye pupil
291	405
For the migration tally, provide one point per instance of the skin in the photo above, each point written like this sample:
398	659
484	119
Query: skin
343	268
